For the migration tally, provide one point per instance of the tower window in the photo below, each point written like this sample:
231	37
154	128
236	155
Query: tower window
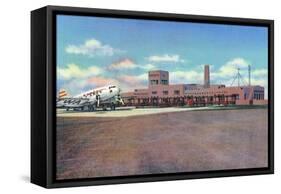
154	82
164	82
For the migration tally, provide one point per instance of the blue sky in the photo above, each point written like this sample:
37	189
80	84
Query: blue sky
92	51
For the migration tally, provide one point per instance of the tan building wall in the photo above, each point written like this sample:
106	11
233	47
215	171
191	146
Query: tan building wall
241	95
166	90
159	87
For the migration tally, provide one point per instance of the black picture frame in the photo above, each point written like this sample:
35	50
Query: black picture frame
43	91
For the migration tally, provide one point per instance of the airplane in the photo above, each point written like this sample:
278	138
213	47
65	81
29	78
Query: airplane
107	96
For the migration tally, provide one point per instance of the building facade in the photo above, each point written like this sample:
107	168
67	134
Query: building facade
161	93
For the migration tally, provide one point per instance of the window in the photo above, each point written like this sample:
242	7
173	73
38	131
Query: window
176	92
165	92
154	82
164	82
154	92
256	95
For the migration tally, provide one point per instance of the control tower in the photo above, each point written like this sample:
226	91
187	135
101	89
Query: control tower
158	77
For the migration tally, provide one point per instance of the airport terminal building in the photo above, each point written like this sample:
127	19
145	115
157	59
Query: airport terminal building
161	93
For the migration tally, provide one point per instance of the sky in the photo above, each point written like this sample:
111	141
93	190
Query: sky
98	51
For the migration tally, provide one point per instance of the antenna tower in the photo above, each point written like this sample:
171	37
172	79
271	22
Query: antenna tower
239	78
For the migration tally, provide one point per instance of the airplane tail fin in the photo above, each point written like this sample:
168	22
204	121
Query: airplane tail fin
63	94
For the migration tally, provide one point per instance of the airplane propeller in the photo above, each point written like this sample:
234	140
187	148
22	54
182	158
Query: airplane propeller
120	99
98	100
122	102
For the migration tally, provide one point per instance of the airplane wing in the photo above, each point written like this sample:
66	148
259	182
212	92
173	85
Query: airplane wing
75	102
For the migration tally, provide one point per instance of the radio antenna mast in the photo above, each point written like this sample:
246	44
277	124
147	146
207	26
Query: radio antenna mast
238	77
249	74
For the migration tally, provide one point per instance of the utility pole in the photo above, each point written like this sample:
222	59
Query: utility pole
249	74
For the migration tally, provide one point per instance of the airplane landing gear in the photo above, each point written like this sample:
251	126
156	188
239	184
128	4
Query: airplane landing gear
91	108
112	107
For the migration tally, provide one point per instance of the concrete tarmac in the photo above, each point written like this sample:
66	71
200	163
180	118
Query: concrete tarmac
166	142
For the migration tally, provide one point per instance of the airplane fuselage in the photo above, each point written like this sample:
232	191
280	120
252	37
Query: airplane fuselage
92	98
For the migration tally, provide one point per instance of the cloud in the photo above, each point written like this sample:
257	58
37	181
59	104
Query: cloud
186	77
91	48
127	64
74	86
165	58
143	77
75	71
77	85
76	79
229	69
122	64
148	67
259	72
133	80
102	81
237	62
260	82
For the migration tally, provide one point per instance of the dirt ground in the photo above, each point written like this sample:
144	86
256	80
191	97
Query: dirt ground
161	143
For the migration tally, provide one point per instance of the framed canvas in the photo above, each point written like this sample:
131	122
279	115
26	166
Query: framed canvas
126	96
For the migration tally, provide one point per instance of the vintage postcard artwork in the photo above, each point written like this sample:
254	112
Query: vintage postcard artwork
139	97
